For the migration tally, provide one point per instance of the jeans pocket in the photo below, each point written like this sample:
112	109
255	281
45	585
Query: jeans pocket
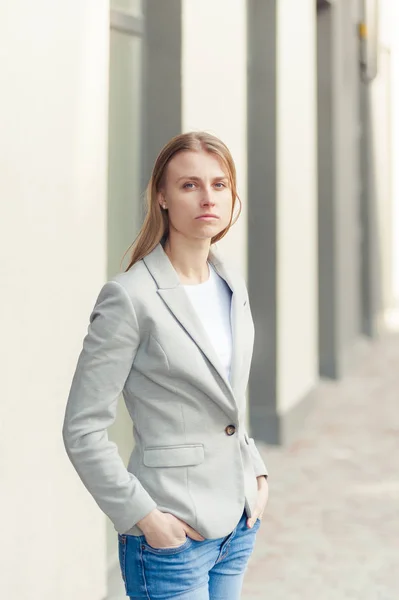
169	550
122	555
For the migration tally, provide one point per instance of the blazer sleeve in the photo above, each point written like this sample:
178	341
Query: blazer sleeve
257	460
109	349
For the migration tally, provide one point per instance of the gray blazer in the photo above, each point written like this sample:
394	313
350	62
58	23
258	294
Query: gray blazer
192	455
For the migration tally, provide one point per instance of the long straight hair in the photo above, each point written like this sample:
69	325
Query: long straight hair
155	227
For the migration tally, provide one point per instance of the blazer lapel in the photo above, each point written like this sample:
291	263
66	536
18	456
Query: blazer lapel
238	301
179	303
175	297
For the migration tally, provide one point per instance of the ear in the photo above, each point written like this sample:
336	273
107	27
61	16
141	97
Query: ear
161	199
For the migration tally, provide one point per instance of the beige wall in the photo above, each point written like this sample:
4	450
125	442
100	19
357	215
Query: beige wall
53	122
297	361
214	91
394	39
382	131
384	95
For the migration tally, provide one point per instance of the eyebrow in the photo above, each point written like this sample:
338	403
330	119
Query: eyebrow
195	178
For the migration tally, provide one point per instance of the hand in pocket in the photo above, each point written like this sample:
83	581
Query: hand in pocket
164	530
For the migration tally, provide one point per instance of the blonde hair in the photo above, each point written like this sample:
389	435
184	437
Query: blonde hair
156	223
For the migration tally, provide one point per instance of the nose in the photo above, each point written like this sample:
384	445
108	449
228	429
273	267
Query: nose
207	197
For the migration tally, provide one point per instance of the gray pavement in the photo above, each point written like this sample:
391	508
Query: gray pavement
331	529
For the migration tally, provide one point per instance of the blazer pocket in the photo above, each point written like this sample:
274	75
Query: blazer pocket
174	456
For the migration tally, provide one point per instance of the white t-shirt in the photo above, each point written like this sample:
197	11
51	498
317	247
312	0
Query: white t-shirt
212	301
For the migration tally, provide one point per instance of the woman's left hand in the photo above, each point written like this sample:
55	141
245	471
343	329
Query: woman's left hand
263	495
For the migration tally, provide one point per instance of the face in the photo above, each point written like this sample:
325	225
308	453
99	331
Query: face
197	195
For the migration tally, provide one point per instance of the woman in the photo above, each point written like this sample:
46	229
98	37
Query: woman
174	334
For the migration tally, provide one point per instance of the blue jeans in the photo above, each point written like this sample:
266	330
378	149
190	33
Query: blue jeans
212	569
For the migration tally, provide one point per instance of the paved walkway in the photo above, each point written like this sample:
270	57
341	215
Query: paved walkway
331	530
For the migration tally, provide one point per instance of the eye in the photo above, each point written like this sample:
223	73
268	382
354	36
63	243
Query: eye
220	185
187	185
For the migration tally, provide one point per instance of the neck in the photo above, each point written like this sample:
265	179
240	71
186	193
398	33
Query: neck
189	258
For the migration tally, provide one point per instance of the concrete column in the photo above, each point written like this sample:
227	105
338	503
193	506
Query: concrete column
340	222
214	92
54	96
282	188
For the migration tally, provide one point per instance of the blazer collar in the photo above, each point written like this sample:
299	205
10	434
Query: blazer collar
174	295
166	277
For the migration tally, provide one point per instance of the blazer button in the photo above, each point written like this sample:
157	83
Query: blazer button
230	429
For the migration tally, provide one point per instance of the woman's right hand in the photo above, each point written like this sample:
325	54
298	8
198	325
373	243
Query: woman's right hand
164	530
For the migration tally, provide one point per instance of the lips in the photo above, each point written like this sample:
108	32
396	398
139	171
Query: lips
207	216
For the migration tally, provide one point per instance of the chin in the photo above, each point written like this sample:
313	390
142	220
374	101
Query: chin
208	234
202	235
212	228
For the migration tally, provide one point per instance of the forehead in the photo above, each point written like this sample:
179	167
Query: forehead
192	163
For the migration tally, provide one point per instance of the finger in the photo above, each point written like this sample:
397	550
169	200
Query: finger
192	533
252	520
257	514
